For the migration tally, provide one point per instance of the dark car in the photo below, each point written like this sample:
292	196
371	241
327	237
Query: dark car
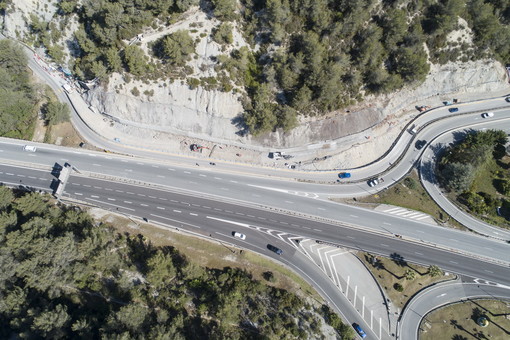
420	144
275	249
359	330
344	175
453	109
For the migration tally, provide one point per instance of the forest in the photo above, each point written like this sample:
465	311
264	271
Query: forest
18	98
306	57
65	276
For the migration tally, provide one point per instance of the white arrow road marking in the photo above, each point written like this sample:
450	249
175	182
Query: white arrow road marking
228	221
441	295
305	194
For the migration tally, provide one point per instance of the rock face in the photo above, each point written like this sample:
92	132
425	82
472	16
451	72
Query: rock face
211	115
18	15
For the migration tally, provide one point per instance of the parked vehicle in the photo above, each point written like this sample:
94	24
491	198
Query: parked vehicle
344	175
239	235
453	109
359	330
488	115
373	182
274	249
30	148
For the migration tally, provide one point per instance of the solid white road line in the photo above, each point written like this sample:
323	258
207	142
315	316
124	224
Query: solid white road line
177	221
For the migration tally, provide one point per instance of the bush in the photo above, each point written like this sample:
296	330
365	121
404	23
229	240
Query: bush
398	287
223	34
135	92
269	276
410	183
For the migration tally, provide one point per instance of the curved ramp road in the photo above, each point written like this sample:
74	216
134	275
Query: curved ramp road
442	295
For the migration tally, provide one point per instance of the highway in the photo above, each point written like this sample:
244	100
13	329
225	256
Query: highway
274	206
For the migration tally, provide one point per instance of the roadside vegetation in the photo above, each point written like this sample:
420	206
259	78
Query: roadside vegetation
399	279
304	57
474	171
460	321
66	276
18	98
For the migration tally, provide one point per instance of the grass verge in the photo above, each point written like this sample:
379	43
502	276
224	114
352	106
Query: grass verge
459	321
390	272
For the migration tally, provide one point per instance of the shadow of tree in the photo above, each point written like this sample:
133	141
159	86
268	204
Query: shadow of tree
459	337
487	316
240	124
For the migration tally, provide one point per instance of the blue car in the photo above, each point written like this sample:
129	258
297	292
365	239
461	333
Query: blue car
275	249
453	109
344	175
359	330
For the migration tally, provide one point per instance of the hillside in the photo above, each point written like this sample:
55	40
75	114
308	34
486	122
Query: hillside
274	74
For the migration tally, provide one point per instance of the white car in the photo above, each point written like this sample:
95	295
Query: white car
239	235
29	148
487	114
373	182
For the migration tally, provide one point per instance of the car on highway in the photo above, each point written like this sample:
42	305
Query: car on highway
239	235
274	249
507	99
30	148
359	330
344	175
420	144
488	115
373	182
453	109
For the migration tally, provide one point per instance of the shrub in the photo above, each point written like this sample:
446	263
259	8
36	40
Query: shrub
398	287
135	92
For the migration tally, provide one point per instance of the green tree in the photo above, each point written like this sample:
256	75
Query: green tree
56	113
435	271
457	176
225	9
113	60
133	317
135	60
178	47
410	274
50	323
161	270
6	197
223	34
184	5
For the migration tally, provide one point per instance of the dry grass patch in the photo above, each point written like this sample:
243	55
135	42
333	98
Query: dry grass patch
459	321
212	254
390	272
63	134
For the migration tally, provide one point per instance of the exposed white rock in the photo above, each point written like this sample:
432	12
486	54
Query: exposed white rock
18	15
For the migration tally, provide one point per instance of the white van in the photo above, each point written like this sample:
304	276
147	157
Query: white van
29	148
